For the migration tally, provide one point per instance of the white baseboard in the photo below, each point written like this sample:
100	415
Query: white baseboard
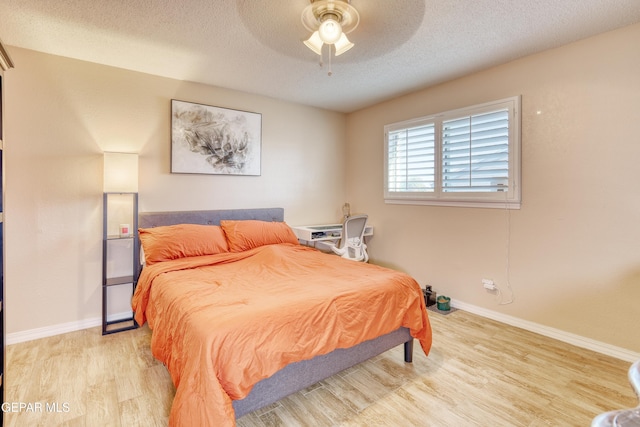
49	331
569	338
62	328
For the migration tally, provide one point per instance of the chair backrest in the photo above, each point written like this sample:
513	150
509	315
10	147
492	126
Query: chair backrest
354	226
353	238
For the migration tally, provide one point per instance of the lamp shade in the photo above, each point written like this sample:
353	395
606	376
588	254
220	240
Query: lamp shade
343	45
120	173
314	43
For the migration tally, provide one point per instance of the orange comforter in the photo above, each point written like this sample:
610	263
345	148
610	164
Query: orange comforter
223	322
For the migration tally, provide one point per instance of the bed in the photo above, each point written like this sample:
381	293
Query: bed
253	317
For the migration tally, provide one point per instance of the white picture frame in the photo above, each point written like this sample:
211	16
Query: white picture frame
214	140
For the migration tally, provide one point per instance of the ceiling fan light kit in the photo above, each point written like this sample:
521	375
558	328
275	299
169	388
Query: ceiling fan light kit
329	22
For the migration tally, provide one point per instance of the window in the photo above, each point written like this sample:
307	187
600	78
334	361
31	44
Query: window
465	157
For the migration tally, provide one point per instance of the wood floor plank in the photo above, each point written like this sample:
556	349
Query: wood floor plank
479	372
342	388
301	410
251	420
102	405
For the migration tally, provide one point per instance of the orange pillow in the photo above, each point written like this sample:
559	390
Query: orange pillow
249	234
182	240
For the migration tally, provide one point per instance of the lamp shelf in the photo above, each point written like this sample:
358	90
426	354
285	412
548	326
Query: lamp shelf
120	256
115	281
117	237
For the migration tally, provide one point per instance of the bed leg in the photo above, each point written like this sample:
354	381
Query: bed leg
408	351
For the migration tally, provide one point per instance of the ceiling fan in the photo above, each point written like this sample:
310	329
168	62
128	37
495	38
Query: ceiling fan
329	22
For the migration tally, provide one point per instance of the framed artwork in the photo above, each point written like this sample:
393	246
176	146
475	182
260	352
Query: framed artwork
214	140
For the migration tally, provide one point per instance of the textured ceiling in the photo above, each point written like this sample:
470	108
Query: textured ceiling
256	45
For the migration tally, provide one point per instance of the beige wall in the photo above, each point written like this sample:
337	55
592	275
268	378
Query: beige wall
61	114
575	243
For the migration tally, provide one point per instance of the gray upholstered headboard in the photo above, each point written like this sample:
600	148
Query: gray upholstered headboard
156	219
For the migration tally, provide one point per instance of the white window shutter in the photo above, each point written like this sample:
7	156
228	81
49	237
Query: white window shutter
411	159
475	153
466	157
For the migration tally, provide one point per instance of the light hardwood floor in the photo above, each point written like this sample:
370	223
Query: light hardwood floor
479	373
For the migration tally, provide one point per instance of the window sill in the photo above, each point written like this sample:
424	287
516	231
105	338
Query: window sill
459	204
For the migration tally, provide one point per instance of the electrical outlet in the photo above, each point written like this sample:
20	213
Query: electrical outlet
489	285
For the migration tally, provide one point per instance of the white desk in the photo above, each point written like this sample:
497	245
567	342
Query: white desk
318	233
